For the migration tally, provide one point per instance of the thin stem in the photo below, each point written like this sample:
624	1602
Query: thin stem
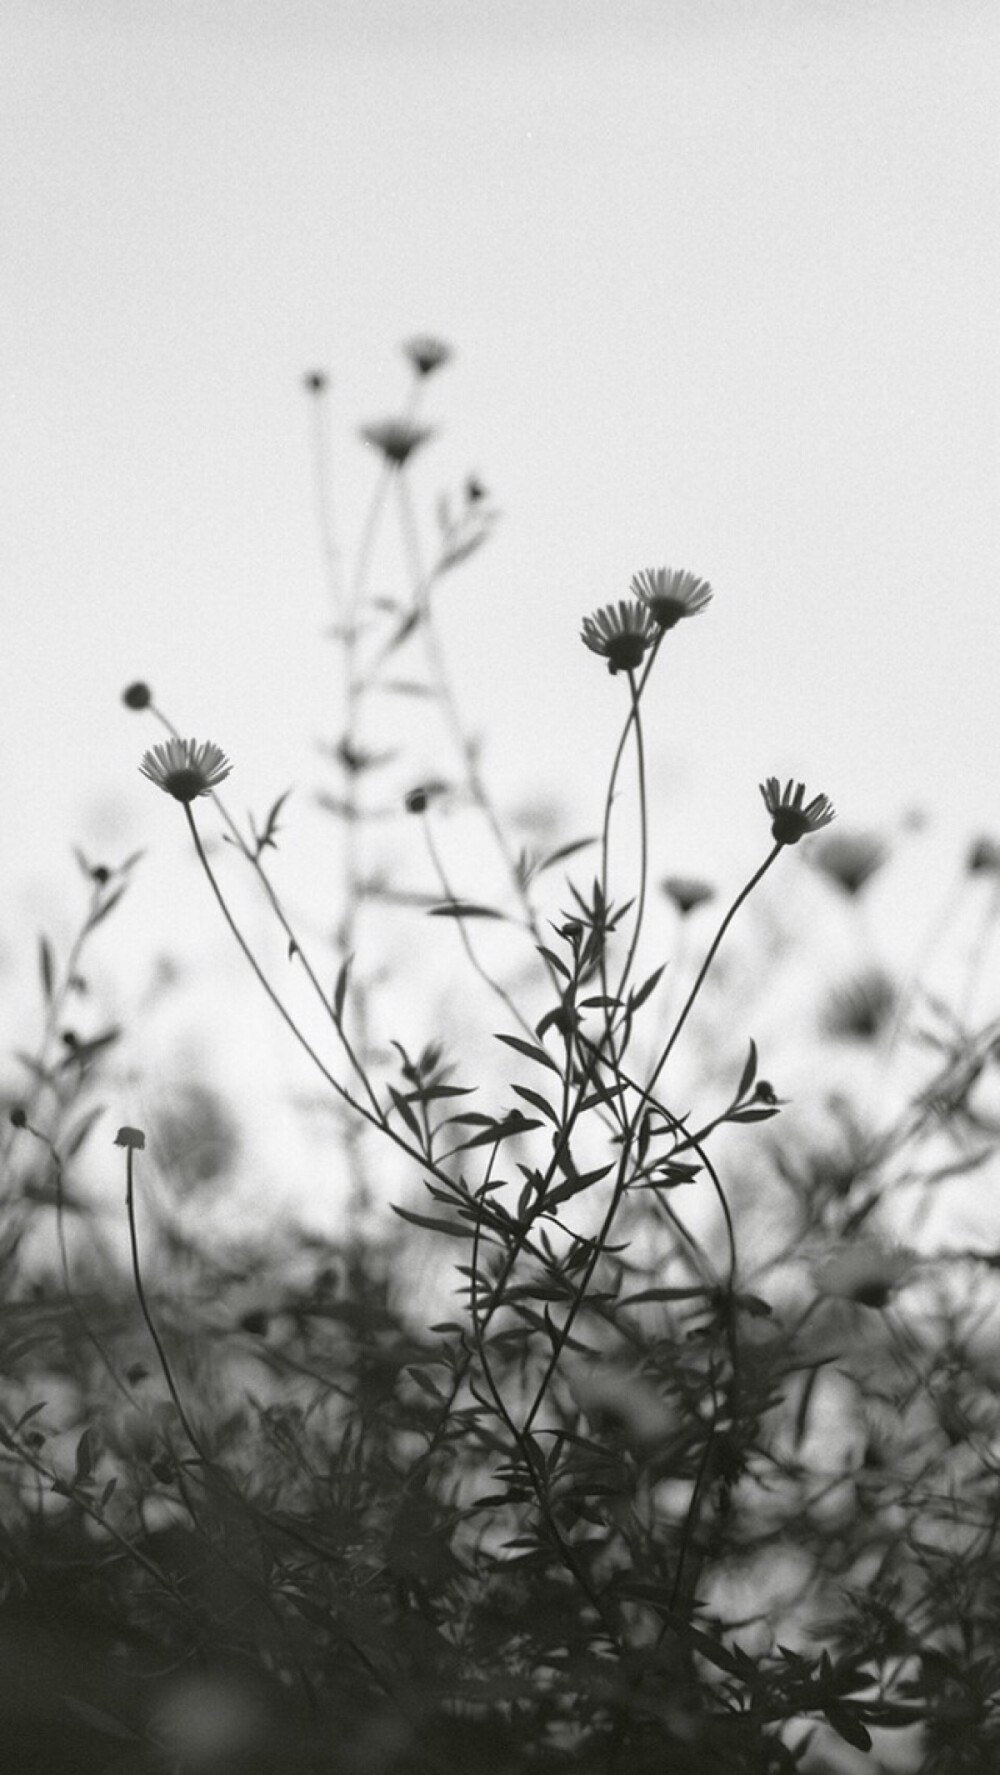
743	894
189	1432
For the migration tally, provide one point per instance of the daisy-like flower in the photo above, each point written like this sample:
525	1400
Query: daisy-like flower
426	353
621	634
861	1010
792	817
850	859
866	1275
619	1401
396	438
984	857
671	593
184	769
686	893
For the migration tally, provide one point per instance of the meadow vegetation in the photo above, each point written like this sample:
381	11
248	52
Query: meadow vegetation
694	1466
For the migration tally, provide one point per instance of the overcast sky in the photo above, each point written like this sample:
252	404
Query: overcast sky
722	285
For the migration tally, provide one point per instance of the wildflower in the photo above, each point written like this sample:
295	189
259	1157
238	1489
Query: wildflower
315	381
861	1010
396	438
426	353
137	696
417	799
671	593
850	859
790	819
686	893
615	1398
133	1137
184	769
984	857
622	635
866	1275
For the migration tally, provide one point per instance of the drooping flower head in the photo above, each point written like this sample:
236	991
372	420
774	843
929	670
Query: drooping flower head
792	817
396	438
622	634
184	769
671	593
426	353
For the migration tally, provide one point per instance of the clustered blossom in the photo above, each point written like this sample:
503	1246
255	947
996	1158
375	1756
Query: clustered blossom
396	438
622	634
792	817
671	593
184	769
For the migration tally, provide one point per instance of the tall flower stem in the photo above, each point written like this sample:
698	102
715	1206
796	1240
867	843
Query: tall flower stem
713	950
168	1376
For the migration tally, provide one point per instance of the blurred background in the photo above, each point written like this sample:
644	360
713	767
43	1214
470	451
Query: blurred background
721	285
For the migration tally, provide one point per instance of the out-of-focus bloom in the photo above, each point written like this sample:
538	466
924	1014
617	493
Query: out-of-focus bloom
137	696
621	633
671	593
315	381
418	799
984	857
615	1398
184	769
792	817
865	1274
426	353
133	1137
850	858
686	893
861	1010
396	438
205	1723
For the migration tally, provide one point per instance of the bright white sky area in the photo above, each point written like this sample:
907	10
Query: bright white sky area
721	280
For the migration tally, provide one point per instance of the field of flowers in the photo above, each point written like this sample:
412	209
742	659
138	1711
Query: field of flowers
654	1428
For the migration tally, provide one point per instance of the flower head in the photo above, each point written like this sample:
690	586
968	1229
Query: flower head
620	1400
396	438
426	353
861	1010
621	634
132	1137
687	893
137	696
791	816
671	593
184	769
867	1274
984	857
850	859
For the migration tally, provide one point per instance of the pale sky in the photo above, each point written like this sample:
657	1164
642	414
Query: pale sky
722	283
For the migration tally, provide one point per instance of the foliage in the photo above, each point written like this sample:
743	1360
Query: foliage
696	1472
